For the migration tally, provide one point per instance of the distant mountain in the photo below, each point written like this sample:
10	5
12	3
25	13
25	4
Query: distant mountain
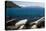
10	4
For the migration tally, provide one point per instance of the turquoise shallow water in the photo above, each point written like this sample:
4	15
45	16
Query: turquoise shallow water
27	11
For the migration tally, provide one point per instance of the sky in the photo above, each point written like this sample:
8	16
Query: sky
24	3
28	0
27	4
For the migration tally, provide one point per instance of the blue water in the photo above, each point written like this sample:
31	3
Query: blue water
27	11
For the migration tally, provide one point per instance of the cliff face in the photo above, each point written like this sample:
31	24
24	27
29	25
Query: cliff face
10	4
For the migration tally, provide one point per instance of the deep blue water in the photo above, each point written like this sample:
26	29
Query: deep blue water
27	11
